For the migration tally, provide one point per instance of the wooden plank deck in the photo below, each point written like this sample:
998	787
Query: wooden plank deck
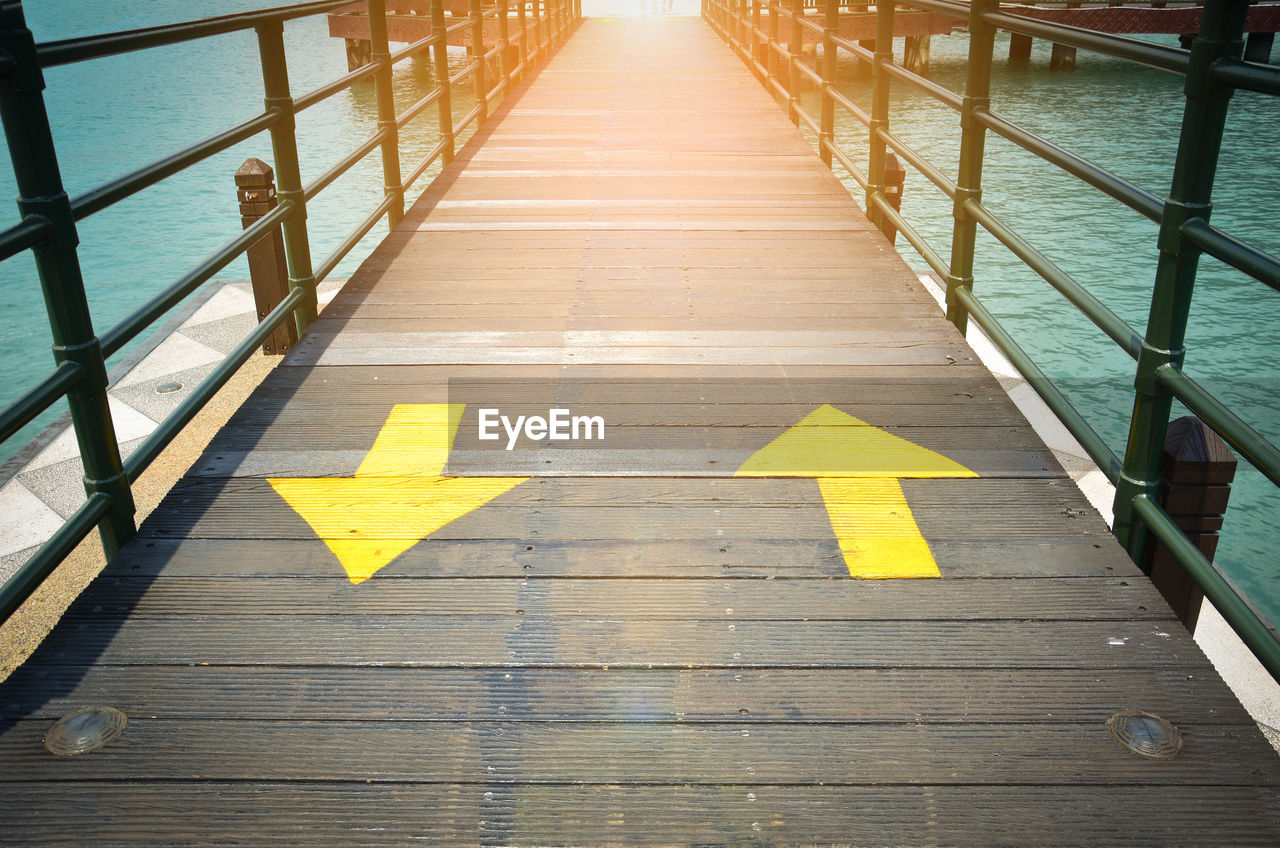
634	647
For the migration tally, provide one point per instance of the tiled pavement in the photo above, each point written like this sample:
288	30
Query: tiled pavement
43	486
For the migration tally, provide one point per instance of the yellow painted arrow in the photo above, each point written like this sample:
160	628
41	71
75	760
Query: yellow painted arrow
858	467
397	497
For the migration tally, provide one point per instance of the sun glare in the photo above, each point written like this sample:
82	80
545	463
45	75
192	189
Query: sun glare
640	8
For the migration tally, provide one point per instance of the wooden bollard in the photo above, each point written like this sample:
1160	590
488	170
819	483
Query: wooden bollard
895	179
1197	468
256	190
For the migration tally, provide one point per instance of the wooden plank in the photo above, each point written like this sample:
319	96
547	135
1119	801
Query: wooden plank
645	509
323	349
1190	696
532	642
740	558
743	754
267	814
731	600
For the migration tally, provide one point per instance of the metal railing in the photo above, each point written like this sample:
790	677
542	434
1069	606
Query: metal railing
49	215
1213	68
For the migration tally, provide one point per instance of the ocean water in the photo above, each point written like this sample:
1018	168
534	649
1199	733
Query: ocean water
116	114
111	116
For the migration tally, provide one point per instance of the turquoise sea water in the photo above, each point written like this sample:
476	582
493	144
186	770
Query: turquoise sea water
113	115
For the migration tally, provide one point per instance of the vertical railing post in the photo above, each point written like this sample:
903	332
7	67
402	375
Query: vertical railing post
42	195
1203	120
440	53
774	48
524	33
879	110
794	48
284	147
827	121
537	27
504	51
973	137
756	32
381	54
477	51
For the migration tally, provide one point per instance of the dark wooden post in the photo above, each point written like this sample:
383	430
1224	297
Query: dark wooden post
895	177
359	53
1257	46
1197	468
915	54
1062	58
256	189
1019	50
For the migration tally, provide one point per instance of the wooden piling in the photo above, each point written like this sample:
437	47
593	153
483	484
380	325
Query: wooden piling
915	56
256	191
1197	468
1020	49
1063	58
359	52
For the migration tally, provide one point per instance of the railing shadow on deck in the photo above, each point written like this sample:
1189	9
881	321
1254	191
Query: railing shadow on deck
48	225
768	36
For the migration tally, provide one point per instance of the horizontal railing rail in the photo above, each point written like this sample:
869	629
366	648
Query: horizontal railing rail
528	30
1213	66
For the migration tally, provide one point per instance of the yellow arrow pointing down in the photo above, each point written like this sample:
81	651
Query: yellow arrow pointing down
397	497
858	467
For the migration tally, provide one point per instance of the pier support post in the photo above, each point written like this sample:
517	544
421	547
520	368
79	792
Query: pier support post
359	52
915	54
1257	46
1197	468
1063	58
268	269
1019	50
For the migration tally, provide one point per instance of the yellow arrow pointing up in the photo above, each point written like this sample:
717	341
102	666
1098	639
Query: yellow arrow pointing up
397	497
858	467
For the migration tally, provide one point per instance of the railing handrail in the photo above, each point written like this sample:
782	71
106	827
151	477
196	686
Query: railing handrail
1213	61
49	216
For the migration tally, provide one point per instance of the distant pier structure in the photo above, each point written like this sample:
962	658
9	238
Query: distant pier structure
410	21
1181	19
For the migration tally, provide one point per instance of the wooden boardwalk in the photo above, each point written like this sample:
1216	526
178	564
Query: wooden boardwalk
654	639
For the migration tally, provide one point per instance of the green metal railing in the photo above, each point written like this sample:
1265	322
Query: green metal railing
49	215
1213	68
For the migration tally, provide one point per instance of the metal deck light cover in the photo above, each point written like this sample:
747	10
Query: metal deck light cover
85	730
1145	734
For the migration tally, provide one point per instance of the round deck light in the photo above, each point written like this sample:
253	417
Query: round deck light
1145	734
85	730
